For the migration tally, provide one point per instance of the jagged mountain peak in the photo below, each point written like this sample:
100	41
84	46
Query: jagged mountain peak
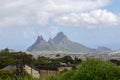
40	38
40	42
60	33
61	43
60	37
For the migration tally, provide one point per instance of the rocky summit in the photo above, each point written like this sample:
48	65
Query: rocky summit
61	43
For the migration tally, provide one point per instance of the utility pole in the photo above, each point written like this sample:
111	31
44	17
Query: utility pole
19	64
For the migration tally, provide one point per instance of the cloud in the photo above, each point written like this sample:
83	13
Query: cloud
92	18
13	21
28	33
41	12
62	12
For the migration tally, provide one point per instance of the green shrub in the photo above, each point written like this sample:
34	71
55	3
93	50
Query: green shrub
6	75
27	77
92	70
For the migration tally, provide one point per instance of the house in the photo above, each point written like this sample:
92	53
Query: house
43	72
47	71
10	68
33	72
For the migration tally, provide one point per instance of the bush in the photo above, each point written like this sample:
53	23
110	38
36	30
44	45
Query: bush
5	75
92	70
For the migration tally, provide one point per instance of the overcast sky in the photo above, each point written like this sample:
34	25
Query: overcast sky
90	22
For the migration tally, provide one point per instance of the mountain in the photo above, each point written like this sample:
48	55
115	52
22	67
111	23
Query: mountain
40	44
61	43
103	49
60	38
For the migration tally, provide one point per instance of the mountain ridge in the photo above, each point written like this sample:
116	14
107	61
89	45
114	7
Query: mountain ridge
61	43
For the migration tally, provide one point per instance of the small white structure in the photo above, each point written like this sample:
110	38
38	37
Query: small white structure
31	71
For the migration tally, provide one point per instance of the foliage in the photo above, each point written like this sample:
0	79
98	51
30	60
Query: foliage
67	59
6	58
51	62
27	77
6	75
92	70
115	61
77	60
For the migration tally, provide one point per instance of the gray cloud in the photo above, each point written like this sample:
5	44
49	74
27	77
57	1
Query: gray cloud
40	12
93	18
